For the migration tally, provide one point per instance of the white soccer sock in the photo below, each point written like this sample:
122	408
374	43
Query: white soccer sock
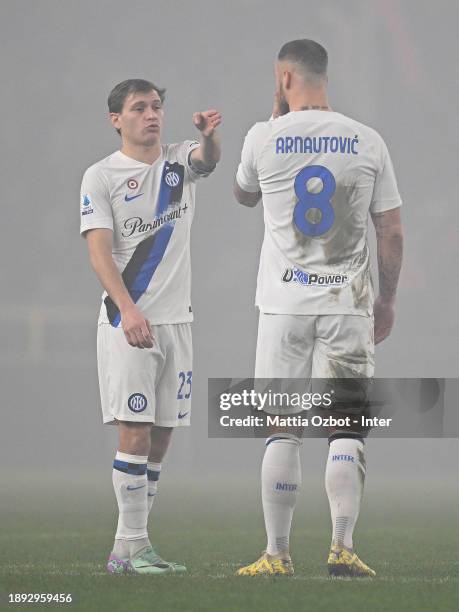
344	478
153	473
130	484
280	481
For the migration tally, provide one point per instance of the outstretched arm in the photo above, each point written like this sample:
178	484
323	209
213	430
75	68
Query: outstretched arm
208	154
389	237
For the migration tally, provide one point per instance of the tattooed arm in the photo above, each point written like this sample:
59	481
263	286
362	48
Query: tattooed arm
389	237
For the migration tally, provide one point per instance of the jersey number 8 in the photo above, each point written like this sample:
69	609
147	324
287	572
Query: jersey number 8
308	200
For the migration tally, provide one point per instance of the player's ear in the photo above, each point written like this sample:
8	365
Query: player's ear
287	79
115	121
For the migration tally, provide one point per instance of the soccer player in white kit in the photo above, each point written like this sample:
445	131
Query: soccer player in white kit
137	206
319	173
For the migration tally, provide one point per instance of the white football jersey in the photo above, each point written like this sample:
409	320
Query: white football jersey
150	209
320	173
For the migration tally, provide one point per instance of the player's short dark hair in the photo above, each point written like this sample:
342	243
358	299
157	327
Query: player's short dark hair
120	92
309	54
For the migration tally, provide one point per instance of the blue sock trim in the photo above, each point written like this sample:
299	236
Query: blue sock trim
135	469
277	439
153	475
350	435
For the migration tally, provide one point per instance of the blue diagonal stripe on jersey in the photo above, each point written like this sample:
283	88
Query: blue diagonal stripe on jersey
149	253
149	256
162	237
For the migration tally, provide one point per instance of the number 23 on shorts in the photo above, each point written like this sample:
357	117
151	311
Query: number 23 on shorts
308	200
185	380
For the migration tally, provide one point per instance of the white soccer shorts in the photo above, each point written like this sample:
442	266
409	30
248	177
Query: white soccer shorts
317	346
146	385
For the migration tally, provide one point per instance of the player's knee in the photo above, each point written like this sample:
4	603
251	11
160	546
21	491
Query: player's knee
134	437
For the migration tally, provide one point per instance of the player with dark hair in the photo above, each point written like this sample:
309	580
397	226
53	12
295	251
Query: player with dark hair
137	206
319	174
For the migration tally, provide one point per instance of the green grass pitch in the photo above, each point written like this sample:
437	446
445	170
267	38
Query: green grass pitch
55	539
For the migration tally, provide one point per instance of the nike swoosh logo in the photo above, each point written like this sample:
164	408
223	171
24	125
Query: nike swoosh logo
180	416
131	488
129	198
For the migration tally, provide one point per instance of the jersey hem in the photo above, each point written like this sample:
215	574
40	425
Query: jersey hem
100	224
111	420
152	322
314	313
391	205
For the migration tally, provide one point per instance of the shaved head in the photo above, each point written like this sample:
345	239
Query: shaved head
309	58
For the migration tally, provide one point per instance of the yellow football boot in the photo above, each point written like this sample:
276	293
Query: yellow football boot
268	565
343	562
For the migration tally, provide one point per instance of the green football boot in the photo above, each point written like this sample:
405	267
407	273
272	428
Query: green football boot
147	561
